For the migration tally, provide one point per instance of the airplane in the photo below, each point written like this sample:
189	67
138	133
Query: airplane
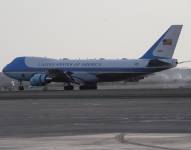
40	71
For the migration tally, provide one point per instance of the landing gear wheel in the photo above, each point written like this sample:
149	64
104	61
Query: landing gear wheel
68	88
88	87
21	88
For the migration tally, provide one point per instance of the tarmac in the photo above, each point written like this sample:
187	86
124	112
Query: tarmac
114	141
101	94
52	113
102	119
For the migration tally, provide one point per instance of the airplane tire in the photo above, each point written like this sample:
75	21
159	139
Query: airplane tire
68	88
21	88
88	87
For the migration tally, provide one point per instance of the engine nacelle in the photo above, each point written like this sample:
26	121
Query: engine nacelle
39	80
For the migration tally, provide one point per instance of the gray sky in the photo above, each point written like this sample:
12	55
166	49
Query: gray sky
90	28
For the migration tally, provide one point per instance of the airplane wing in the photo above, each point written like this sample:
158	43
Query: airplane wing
71	77
58	75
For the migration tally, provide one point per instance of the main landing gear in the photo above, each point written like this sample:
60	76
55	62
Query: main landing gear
20	87
68	87
88	87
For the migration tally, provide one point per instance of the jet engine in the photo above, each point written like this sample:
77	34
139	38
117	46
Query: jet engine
40	80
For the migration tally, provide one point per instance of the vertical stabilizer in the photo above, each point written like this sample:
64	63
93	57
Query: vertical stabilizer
165	46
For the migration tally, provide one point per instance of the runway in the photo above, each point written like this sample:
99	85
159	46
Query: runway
114	141
100	94
53	113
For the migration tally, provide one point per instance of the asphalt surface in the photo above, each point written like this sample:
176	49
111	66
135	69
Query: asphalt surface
100	94
34	114
112	141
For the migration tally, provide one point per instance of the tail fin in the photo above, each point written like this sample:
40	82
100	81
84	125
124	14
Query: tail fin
165	46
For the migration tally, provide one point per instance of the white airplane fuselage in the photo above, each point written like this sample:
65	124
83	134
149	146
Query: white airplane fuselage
111	70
